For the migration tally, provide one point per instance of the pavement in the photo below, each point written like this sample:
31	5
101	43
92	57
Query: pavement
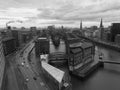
11	76
28	73
23	74
2	71
20	75
35	64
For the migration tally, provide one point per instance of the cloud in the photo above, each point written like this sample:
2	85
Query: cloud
88	12
61	11
18	13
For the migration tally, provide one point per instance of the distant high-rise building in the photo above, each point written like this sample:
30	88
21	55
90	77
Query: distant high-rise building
81	25
62	27
101	29
115	29
33	31
101	23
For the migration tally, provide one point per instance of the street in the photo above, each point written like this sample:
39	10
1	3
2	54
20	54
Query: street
29	75
30	80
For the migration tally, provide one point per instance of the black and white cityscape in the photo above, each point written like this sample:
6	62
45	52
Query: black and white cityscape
59	45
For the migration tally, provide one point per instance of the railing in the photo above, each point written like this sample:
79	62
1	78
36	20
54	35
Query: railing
111	62
110	45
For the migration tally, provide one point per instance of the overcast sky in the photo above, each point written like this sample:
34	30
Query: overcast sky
59	12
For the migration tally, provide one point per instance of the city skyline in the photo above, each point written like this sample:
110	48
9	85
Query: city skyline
59	12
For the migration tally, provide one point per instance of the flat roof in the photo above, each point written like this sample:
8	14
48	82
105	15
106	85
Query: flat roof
53	71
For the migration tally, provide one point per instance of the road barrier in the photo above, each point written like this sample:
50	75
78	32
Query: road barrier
111	62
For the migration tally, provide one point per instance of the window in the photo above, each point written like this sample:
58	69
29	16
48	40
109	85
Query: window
87	51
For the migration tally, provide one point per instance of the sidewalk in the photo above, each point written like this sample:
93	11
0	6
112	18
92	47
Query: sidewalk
2	71
11	83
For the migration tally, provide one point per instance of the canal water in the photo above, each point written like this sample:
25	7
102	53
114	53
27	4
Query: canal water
61	47
106	78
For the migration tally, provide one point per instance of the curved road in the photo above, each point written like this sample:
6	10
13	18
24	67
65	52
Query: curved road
20	74
107	78
28	72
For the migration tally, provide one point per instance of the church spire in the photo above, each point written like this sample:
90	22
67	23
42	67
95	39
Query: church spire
101	29
81	25
101	23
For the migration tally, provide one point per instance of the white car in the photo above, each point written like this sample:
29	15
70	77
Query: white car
65	84
27	79
22	64
101	56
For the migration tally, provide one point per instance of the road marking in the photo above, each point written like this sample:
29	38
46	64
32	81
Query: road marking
42	84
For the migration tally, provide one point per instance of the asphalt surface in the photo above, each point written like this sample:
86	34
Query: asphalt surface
35	64
20	74
11	82
27	71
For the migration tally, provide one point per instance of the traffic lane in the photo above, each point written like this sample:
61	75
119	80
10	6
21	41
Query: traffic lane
36	77
28	75
36	69
11	80
35	65
31	83
11	74
27	63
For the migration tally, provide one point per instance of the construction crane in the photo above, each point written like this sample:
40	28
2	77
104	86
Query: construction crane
13	22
